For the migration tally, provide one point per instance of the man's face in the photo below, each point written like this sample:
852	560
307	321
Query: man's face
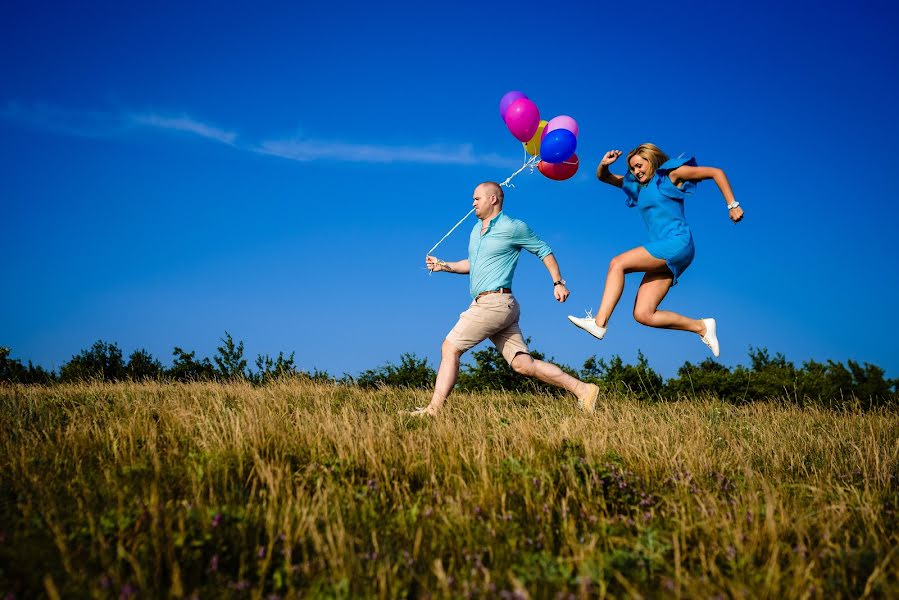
483	202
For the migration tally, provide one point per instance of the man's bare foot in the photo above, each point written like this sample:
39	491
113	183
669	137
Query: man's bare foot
423	411
586	400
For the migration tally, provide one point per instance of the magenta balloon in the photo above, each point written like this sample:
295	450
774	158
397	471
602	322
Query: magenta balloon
523	119
561	122
508	99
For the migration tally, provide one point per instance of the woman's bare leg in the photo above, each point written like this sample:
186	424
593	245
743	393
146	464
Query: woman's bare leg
652	291
632	261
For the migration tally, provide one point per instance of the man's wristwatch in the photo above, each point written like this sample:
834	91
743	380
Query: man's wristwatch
733	205
559	282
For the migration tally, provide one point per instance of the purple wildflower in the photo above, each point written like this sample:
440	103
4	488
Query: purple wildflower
127	591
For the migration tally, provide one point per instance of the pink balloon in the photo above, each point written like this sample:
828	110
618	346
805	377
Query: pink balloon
522	119
508	99
561	122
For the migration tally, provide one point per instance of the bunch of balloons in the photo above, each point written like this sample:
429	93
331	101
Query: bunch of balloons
554	141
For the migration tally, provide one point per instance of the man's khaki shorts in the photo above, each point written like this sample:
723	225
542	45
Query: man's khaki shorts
493	316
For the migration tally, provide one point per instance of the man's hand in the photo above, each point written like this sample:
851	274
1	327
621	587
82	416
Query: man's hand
434	264
736	214
561	292
610	157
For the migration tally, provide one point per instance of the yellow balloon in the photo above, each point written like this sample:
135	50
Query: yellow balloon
532	146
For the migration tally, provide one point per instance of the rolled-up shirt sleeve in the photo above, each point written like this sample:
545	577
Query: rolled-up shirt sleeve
526	239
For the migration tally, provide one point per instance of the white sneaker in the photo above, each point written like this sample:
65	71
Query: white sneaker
589	325
710	338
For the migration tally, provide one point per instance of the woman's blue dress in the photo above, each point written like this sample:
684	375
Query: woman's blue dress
661	204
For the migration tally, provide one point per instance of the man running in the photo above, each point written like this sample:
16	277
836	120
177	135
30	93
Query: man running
493	250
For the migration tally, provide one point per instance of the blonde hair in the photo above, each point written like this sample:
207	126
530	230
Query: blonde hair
493	188
650	152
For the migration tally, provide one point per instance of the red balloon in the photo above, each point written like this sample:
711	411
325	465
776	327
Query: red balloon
559	171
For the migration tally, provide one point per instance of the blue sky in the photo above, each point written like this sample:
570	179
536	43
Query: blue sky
168	173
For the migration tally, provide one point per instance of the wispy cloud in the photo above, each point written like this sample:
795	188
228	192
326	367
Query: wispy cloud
309	150
96	124
184	124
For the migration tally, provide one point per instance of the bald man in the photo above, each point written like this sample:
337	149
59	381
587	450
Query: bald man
493	249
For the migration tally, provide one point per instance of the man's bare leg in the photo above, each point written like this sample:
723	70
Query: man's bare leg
447	374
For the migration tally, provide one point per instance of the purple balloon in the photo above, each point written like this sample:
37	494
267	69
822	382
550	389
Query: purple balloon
508	99
557	146
562	122
523	119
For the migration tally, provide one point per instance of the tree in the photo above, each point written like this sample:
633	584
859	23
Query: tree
186	368
13	371
709	377
771	377
142	366
640	379
273	368
412	372
229	360
102	361
835	384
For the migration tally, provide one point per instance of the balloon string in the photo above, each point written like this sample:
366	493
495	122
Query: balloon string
529	162
449	232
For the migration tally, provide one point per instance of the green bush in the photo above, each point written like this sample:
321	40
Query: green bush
230	361
13	371
187	368
412	372
616	376
102	361
142	366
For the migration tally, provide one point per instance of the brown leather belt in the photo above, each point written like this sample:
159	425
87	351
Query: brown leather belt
499	291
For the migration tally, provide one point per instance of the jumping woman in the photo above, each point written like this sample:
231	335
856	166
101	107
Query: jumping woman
658	187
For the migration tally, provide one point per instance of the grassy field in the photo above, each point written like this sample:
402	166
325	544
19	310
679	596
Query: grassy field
298	489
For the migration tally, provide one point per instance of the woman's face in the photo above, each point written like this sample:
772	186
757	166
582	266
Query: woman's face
640	168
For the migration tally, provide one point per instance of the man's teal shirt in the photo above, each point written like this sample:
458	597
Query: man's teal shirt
494	255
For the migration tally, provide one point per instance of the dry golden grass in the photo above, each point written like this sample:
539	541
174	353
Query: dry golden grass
298	489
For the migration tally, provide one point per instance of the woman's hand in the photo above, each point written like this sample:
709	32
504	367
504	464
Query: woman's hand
736	214
609	157
434	264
